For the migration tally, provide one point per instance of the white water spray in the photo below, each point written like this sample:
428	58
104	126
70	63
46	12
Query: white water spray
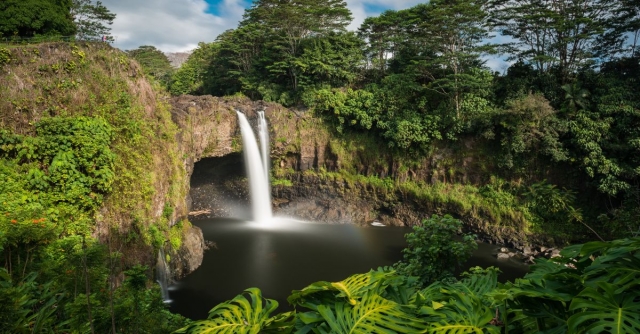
162	275
263	133
257	169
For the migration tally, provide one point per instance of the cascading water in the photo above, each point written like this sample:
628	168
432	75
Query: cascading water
162	275
257	168
263	133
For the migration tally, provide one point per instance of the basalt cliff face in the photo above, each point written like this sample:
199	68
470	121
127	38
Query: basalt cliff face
308	160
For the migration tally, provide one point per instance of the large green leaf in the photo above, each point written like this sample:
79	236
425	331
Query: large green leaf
349	289
602	310
619	265
466	306
462	312
241	316
371	314
478	281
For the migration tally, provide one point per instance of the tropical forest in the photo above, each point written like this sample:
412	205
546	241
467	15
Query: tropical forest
296	175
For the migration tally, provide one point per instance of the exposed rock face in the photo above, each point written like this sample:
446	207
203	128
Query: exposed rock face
189	256
177	58
304	146
334	201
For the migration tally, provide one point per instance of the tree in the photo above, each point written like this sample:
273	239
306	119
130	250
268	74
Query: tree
622	33
383	35
289	22
334	59
454	32
529	128
153	62
554	34
91	20
190	77
26	18
236	62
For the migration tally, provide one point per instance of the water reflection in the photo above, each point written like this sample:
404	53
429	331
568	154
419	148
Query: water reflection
289	255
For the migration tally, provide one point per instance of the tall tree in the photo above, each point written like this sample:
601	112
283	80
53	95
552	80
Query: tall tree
623	31
27	18
453	32
234	67
290	21
92	21
554	34
383	35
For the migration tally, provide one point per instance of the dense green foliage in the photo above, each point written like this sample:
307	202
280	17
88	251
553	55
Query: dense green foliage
75	155
154	63
36	17
593	287
565	112
432	251
51	186
29	18
189	78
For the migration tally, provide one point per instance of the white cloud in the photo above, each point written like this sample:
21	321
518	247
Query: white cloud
170	25
361	9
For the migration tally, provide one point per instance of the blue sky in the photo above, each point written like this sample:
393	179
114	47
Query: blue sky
215	6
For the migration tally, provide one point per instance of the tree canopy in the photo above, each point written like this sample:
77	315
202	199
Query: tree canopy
154	63
27	18
91	20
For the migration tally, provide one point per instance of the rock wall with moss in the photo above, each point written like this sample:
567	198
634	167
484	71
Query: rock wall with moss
142	206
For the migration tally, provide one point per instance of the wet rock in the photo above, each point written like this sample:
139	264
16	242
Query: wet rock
189	257
504	250
503	256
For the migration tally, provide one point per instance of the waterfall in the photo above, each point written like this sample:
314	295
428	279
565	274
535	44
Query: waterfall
162	275
263	133
257	168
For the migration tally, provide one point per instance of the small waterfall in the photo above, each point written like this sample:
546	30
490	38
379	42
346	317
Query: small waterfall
263	133
162	271
257	170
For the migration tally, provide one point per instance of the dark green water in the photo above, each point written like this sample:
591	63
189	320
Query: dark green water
289	255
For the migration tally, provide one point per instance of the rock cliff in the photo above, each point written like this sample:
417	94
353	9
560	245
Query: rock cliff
308	164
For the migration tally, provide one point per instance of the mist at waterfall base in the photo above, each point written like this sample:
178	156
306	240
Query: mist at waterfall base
278	255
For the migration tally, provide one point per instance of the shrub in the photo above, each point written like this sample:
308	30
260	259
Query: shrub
433	251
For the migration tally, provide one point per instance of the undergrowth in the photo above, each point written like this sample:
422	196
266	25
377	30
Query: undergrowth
94	80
